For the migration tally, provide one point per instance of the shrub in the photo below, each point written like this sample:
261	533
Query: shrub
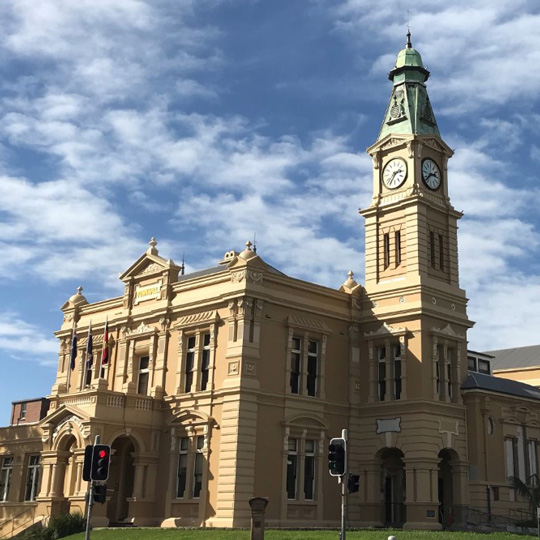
59	527
67	524
39	533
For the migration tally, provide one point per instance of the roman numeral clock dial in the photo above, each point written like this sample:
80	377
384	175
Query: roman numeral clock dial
394	173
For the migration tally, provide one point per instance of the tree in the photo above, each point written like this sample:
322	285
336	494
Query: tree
529	490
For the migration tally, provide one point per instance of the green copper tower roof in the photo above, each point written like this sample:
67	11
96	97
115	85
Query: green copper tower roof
409	111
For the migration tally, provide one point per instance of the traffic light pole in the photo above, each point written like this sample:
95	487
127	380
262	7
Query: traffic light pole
343	495
90	500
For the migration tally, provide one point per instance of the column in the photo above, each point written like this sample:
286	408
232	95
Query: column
118	383
372	396
138	464
404	354
371	510
422	493
180	363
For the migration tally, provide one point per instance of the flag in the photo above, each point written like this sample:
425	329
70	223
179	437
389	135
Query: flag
73	348
89	348
105	352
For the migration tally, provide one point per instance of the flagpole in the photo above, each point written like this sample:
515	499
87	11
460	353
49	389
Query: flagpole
89	360
71	357
104	362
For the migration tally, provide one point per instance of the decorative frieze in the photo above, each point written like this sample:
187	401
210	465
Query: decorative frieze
251	276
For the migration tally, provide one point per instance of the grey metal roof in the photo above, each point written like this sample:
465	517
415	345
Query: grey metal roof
204	272
218	269
514	358
500	385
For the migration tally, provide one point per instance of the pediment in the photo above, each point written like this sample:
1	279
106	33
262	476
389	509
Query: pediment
448	331
390	141
149	265
297	321
306	422
386	330
63	412
186	418
437	144
66	419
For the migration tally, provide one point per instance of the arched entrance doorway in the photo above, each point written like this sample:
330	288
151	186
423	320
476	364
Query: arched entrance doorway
393	486
446	485
120	482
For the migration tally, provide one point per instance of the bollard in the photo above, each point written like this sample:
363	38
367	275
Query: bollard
258	510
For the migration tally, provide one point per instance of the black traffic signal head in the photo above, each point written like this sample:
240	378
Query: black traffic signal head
101	459
87	465
353	483
337	457
100	493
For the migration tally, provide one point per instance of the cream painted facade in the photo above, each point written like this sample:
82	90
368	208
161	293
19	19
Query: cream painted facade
228	383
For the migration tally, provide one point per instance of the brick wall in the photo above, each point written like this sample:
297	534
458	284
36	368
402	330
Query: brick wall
27	412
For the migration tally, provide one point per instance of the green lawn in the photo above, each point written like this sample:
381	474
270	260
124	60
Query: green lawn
213	534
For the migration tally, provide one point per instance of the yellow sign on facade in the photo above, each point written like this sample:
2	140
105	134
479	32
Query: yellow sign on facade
148	292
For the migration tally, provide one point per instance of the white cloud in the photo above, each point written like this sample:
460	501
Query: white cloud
25	341
483	52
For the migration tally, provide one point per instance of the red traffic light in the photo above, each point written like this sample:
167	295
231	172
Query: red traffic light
102	453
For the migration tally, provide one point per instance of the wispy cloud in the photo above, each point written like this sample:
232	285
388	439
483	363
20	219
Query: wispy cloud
26	341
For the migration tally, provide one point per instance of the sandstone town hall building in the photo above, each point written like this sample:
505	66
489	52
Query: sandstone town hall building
229	382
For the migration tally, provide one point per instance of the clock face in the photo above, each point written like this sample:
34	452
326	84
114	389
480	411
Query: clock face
431	174
394	173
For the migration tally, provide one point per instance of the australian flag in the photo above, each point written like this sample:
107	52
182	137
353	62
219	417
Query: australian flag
73	349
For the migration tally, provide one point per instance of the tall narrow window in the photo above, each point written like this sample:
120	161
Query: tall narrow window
296	361
397	371
23	411
312	361
292	465
309	470
88	371
441	252
386	250
32	478
144	374
190	363
512	457
182	468
381	357
398	247
440	362
432	248
532	450
5	477
449	368
205	364
198	468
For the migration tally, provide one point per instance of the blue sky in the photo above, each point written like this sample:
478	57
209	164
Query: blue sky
204	122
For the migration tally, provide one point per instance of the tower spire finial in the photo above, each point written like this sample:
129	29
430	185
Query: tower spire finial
408	44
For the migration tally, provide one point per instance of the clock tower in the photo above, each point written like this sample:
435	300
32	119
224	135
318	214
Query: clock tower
414	320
